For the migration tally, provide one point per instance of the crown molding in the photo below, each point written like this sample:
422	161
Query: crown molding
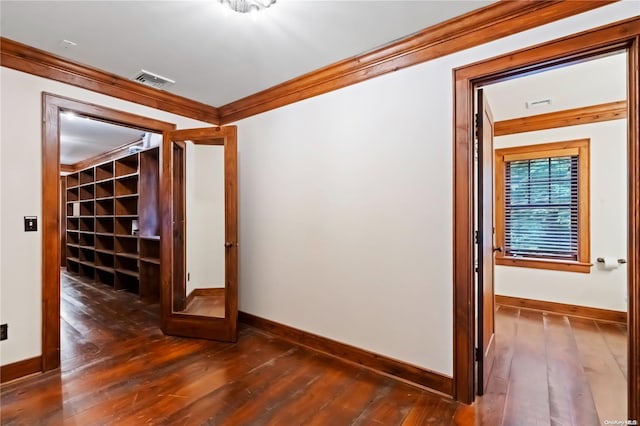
570	117
34	61
113	154
490	23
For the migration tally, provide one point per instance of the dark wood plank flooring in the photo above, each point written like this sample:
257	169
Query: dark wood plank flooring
119	369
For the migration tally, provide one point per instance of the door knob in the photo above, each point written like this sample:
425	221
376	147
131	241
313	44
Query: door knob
228	244
498	249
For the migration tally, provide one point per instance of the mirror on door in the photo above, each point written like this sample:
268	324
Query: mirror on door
199	210
200	233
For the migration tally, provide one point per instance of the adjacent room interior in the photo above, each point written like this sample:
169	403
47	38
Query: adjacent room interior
109	234
560	188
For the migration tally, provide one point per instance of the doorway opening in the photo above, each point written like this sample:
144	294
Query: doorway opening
552	198
110	244
568	50
101	219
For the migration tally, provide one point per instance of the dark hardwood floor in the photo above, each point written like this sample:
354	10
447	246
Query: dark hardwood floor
119	369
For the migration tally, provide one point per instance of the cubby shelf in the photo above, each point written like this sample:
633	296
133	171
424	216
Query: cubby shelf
108	207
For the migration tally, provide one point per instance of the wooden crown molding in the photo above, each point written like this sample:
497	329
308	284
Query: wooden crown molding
380	364
564	309
34	61
67	168
100	158
490	23
569	117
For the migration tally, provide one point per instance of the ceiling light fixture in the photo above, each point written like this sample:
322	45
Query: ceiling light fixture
246	6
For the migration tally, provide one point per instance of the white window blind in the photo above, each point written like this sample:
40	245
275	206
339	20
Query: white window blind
541	208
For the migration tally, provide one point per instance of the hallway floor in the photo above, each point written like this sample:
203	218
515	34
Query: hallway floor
119	369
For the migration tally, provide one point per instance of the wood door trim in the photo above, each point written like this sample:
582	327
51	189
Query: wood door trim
380	364
633	251
569	117
19	369
52	105
563	309
37	62
486	24
231	227
616	36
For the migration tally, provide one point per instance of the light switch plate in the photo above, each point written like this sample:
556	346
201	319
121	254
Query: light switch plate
30	223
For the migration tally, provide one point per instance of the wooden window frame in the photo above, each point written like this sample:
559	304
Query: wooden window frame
579	147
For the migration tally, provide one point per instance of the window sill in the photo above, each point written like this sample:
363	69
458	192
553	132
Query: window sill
555	265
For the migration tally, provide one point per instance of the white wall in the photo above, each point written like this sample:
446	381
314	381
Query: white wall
600	288
205	216
20	195
345	205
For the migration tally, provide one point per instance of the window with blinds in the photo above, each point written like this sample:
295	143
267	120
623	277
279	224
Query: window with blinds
542	206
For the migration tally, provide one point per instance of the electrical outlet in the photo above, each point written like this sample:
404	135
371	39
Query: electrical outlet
3	332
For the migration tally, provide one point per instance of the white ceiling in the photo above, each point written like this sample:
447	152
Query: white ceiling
587	83
82	137
217	56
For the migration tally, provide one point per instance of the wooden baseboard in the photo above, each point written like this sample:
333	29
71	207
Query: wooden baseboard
564	309
211	292
375	362
20	369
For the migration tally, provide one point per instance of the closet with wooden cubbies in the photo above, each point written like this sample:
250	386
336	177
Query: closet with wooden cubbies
113	223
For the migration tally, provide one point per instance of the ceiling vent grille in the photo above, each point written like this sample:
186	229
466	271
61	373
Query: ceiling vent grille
154	80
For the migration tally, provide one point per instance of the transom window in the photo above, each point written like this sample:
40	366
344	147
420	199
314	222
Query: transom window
542	202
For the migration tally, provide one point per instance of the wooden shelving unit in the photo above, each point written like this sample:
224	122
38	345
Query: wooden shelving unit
112	225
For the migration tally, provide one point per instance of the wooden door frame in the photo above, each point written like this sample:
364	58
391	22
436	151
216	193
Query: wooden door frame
622	35
617	36
52	106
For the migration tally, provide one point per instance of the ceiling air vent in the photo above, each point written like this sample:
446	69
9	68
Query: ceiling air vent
154	80
538	103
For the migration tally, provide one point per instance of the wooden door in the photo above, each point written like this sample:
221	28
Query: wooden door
485	248
210	313
179	296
